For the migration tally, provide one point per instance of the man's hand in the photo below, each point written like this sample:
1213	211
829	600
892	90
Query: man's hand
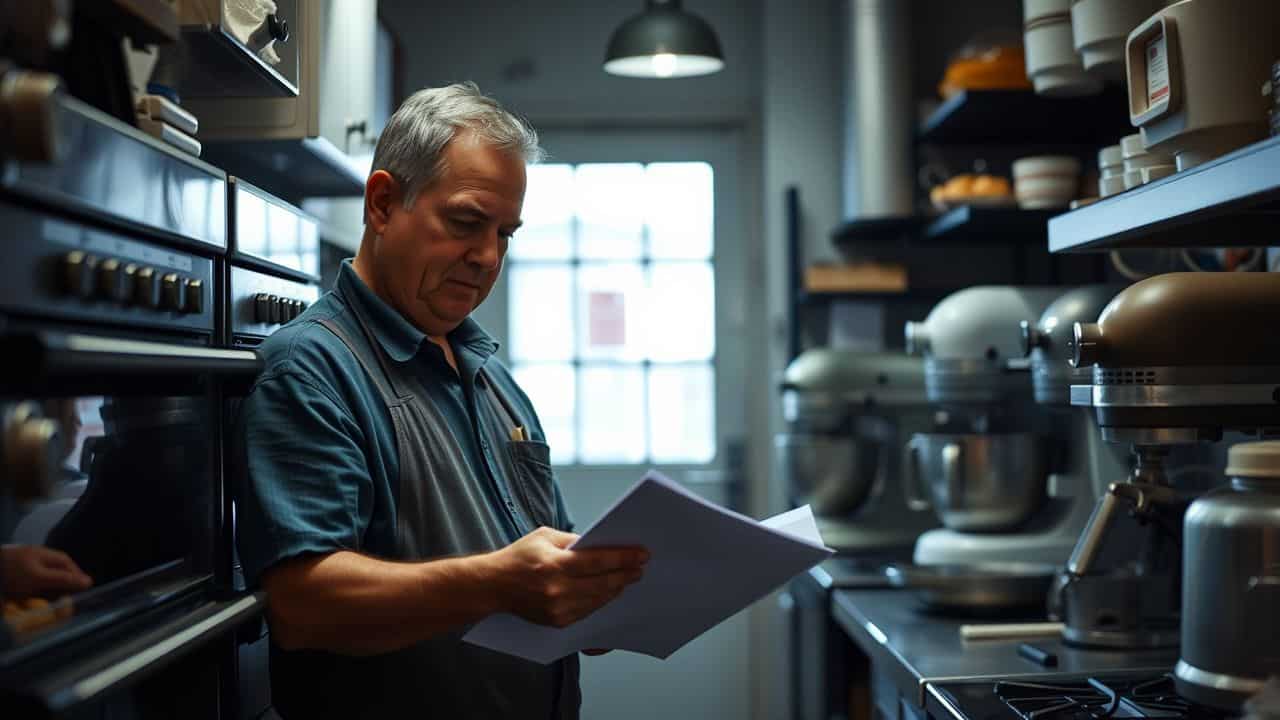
542	581
28	570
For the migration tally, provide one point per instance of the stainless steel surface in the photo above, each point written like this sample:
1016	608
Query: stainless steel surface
978	482
918	651
1159	396
1231	597
272	231
831	473
983	587
116	172
881	111
1049	341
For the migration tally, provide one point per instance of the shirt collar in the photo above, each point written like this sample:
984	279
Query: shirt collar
400	339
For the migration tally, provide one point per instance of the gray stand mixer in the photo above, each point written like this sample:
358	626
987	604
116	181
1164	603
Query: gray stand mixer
848	414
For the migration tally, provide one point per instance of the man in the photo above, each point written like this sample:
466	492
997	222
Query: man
397	485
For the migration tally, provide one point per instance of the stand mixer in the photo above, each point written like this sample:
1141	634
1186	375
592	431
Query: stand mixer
847	414
1178	359
987	473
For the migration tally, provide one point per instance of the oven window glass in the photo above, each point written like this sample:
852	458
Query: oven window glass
106	509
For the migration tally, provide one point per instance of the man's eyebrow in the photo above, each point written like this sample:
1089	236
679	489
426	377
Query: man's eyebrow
473	208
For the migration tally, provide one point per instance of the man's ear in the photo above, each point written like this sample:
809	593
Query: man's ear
381	194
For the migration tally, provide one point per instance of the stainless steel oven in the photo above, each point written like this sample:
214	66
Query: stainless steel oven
274	255
116	580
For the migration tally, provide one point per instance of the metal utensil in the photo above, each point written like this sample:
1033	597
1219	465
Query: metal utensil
986	586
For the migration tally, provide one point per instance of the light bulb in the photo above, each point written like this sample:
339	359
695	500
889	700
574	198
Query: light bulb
664	65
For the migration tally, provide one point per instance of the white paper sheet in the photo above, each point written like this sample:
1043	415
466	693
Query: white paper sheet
705	564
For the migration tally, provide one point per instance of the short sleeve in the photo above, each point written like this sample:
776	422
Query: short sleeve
303	484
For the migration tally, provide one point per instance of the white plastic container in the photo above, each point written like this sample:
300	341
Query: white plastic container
1053	67
1194	69
1100	29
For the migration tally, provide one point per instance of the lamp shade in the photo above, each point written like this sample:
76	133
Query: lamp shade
664	41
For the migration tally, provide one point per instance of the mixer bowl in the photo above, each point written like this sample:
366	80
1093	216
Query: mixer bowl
834	473
990	482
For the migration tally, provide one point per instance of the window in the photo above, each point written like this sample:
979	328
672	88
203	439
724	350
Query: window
612	310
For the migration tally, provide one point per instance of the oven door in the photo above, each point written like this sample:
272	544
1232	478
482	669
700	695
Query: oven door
110	506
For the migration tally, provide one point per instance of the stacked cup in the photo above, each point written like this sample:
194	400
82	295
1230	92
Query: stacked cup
1052	63
1110	171
1140	166
1045	181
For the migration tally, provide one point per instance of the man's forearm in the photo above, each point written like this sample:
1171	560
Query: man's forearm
355	605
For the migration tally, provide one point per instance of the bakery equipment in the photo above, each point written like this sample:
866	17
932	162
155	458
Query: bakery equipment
1194	69
848	414
1178	359
1230	621
977	481
977	376
997	585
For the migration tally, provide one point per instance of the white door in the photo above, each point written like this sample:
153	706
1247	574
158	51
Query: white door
624	306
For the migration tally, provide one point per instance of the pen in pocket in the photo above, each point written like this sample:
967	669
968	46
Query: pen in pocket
518	434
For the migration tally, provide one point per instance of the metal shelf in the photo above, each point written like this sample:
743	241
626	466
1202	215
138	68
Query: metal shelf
220	66
977	225
1020	117
1231	201
289	169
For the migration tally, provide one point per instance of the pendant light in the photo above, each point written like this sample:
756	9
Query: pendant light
664	41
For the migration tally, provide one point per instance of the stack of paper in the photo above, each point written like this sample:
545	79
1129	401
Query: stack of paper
706	563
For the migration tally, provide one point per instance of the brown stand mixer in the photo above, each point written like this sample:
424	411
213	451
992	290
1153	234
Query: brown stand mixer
1178	359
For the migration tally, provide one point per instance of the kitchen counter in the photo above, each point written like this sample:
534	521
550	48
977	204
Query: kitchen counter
916	650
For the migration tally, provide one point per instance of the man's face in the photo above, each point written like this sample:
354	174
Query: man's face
438	260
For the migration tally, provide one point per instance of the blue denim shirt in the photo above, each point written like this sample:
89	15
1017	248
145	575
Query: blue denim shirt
318	443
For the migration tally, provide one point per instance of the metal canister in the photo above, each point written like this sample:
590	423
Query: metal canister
1231	582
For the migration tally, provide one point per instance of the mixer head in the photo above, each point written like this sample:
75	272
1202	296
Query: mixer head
1181	357
973	354
1048	342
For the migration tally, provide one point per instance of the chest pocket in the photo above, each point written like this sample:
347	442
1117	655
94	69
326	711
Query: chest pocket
534	480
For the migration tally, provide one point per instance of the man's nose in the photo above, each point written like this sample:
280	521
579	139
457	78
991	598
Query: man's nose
487	253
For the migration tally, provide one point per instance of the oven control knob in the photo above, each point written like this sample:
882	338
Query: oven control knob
111	281
171	291
32	452
273	309
193	300
261	308
77	273
146	287
291	310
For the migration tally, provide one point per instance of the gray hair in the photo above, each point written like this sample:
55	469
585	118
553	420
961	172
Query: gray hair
412	145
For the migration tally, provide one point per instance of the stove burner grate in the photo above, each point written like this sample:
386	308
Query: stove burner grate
1096	699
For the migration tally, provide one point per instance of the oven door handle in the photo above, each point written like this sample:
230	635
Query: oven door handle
57	354
157	649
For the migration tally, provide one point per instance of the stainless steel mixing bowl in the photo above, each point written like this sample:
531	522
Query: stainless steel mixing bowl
990	482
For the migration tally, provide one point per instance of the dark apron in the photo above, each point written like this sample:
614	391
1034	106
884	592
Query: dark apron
442	510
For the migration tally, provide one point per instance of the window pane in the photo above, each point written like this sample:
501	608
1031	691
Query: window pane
610	210
679	210
611	311
541	312
547	233
680	311
682	414
551	390
612	415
